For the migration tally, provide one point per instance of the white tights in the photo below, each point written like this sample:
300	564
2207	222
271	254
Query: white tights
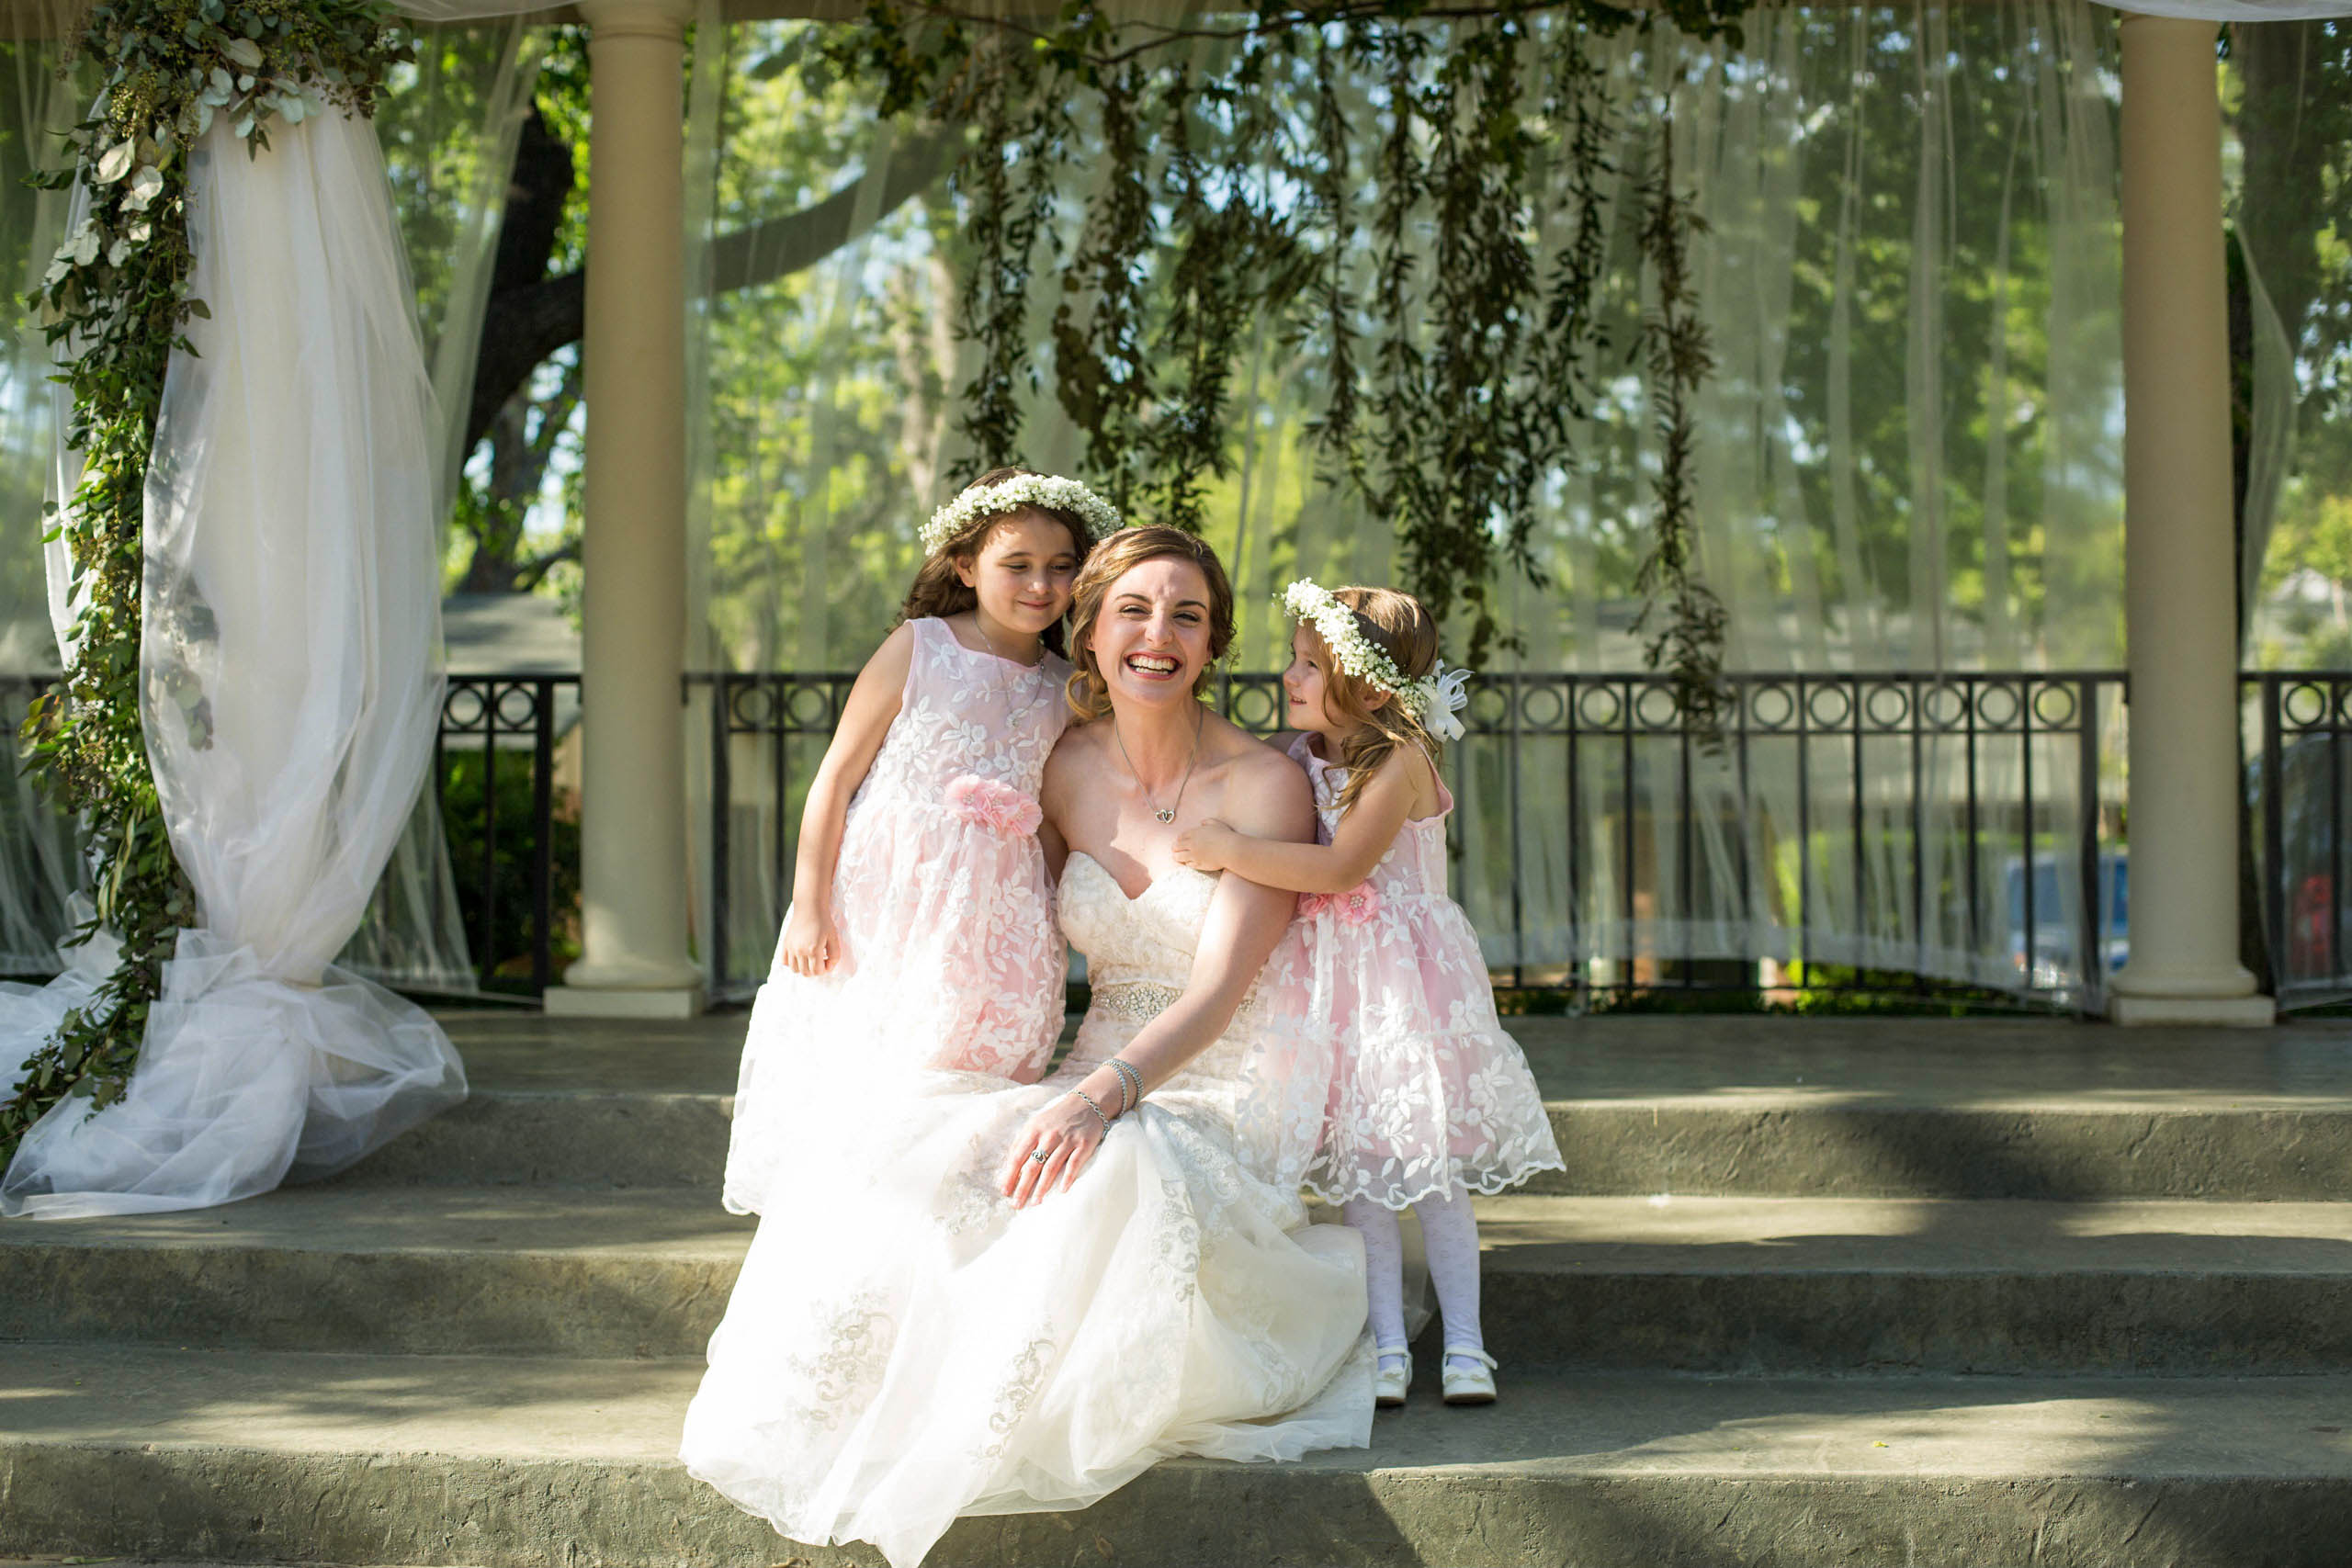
1450	1238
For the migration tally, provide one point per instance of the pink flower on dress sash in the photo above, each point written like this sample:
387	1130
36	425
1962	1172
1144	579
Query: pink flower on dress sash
986	803
1354	907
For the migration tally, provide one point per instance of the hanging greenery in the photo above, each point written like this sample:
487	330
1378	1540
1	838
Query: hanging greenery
1676	342
1454	355
114	304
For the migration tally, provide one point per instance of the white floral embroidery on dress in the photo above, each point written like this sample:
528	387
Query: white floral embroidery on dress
951	957
1020	1387
858	1340
1429	1091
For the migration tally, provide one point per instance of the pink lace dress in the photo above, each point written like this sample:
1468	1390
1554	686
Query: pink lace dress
1429	1091
950	957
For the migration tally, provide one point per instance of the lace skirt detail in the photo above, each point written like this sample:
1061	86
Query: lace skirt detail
1428	1092
903	1347
951	963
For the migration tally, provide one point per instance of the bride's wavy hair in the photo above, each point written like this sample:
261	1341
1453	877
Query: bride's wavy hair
937	591
1398	625
1090	695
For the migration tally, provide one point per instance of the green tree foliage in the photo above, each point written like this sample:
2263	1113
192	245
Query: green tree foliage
2288	88
1363	177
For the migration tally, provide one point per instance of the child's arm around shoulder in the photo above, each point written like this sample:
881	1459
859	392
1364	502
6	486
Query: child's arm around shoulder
1364	834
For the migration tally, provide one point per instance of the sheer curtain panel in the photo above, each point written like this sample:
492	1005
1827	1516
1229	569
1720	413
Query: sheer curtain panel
292	579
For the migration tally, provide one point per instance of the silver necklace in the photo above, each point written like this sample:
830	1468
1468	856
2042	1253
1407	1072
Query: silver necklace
1168	813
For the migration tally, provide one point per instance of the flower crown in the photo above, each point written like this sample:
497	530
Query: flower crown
1433	700
1050	491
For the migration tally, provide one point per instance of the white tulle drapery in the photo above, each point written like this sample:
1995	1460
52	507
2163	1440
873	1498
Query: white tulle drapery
448	127
291	680
447	124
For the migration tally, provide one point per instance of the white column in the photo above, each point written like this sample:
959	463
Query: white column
633	798
2180	567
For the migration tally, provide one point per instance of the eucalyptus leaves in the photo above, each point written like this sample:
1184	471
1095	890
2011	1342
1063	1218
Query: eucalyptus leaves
1408	198
114	303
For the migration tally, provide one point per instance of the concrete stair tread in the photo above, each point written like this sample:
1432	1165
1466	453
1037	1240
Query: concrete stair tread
1975	1063
1741	1105
628	1410
656	1223
1700	1285
1780	1235
516	1464
1543	1233
1746	1059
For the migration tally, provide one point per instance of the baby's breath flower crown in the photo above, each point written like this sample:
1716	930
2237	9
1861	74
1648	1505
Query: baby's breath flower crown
1050	491
1434	700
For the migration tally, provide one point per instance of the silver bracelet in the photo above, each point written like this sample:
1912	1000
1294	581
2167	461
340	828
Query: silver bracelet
1130	1083
1095	1107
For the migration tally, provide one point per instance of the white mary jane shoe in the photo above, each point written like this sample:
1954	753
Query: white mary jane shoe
1469	1386
1391	1378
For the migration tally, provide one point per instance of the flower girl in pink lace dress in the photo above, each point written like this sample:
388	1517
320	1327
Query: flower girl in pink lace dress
1432	1102
922	932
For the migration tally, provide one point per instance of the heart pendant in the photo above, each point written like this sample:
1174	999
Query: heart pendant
1167	816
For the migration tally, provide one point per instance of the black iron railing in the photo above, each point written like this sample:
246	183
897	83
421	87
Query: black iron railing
497	730
1602	846
777	724
2296	777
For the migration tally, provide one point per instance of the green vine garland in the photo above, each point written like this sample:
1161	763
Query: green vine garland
1676	346
113	305
1453	359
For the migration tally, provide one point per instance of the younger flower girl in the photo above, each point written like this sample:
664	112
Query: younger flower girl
1432	1099
921	933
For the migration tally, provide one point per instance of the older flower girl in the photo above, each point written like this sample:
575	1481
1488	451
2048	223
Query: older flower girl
921	933
1431	1101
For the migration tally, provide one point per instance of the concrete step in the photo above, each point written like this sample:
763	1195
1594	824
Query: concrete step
1822	1142
1699	1285
587	1138
1741	1107
517	1271
1803	1285
510	1463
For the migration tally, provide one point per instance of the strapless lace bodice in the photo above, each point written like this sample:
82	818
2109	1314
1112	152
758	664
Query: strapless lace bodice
1146	942
1149	937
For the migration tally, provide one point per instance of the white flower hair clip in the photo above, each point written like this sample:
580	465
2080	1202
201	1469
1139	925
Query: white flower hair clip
1007	496
1435	700
1448	693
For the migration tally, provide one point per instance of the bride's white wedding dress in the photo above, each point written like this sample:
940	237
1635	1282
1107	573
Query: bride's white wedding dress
904	1346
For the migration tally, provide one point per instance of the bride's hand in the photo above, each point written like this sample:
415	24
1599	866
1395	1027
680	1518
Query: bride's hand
1054	1146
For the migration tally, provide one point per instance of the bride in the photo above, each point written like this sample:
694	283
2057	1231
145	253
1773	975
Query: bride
994	1299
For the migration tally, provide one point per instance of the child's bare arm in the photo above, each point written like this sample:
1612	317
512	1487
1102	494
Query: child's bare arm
809	945
1363	836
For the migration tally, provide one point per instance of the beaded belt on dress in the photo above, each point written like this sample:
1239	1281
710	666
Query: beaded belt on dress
1140	1001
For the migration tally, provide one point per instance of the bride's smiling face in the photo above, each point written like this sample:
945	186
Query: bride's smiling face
1151	640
